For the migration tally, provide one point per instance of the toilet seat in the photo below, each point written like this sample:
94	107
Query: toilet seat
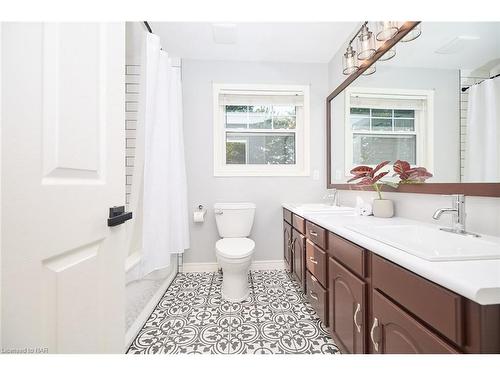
235	248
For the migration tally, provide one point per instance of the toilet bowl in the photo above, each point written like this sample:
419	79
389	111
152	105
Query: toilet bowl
235	256
234	250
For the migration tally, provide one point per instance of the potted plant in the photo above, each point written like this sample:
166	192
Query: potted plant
368	176
409	175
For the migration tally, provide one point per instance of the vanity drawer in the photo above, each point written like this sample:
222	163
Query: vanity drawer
317	297
299	223
396	332
436	306
316	261
347	253
316	234
287	216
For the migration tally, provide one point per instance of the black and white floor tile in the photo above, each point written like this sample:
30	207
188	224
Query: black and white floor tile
192	317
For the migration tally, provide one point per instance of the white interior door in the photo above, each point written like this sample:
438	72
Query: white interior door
63	284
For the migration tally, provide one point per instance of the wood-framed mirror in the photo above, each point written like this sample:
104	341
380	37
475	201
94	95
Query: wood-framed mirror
435	104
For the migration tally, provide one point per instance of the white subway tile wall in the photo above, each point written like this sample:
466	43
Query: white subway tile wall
132	80
466	80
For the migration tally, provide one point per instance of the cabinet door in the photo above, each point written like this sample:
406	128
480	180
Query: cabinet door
287	245
298	258
393	331
347	308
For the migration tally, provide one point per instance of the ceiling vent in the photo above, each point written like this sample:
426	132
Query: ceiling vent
456	45
224	33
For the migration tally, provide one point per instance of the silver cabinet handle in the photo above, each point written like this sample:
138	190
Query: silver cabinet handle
313	260
358	309
314	279
372	331
313	295
313	233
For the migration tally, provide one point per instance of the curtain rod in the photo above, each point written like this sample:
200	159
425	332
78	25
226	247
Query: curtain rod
464	89
148	27
150	30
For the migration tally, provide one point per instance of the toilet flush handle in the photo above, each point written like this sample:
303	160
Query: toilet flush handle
218	212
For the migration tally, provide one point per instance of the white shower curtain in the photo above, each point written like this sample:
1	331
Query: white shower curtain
482	141
159	189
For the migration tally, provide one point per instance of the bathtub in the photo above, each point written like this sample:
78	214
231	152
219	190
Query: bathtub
143	294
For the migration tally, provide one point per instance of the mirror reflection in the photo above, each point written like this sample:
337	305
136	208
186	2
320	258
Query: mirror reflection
435	104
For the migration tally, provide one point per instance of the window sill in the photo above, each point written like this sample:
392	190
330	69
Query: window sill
261	173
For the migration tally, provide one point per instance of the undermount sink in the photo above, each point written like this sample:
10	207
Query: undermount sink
430	243
320	207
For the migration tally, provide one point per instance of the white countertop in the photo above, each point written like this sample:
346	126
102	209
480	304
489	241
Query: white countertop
477	280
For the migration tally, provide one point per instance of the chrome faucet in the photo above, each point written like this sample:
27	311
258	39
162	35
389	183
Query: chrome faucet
332	196
458	215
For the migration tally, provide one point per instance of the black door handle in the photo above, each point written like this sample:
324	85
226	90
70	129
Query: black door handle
117	216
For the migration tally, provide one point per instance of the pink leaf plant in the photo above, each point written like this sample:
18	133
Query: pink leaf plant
409	175
368	176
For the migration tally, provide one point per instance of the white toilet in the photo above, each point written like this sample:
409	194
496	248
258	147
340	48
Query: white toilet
234	251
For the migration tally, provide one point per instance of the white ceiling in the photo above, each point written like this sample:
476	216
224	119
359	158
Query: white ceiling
477	52
270	42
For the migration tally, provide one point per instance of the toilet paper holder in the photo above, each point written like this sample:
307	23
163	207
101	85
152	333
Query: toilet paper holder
199	214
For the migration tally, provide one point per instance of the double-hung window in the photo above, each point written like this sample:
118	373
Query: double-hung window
388	124
261	130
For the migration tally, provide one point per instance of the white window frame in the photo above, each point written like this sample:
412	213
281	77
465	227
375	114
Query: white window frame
302	146
425	134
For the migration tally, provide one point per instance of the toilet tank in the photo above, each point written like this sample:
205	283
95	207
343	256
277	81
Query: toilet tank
234	219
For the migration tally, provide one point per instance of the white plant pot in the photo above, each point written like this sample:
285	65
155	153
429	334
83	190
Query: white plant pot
383	208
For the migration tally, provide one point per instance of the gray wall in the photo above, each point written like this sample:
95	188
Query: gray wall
266	192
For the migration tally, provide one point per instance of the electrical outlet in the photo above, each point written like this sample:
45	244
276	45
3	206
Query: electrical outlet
316	175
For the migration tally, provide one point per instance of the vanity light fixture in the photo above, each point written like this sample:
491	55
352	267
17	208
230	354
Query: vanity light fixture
413	34
386	30
350	61
366	43
389	54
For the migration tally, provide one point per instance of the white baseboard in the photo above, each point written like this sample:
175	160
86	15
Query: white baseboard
255	266
135	328
260	265
200	267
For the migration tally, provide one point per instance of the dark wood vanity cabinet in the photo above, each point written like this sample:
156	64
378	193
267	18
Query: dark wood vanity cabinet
298	256
317	279
438	307
400	312
316	261
294	246
418	316
317	296
347	309
394	331
373	305
316	234
287	245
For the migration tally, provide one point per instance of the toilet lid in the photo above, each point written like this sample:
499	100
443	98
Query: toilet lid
235	247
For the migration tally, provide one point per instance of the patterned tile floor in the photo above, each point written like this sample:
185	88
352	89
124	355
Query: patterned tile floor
192	317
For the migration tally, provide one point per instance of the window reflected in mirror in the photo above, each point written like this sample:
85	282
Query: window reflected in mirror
435	104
